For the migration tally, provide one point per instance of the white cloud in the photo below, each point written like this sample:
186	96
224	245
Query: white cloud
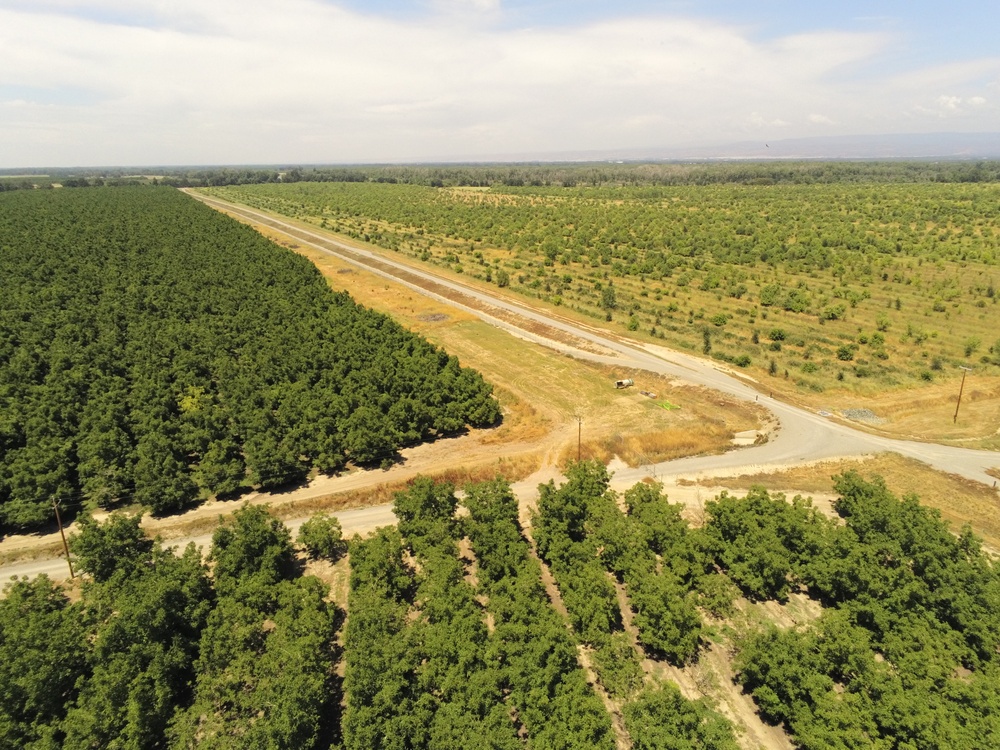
952	107
759	122
949	103
305	80
467	6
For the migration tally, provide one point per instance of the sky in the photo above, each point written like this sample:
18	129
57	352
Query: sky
184	82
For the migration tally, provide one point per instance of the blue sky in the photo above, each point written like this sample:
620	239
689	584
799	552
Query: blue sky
132	82
771	17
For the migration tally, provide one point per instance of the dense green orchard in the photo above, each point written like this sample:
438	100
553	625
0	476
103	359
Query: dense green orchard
153	350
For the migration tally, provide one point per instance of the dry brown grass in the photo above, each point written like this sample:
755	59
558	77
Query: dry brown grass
926	412
705	423
512	469
520	418
42	551
646	448
959	500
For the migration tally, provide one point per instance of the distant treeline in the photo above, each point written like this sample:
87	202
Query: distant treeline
595	174
153	350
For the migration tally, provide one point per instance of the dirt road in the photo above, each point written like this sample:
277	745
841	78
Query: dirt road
357	520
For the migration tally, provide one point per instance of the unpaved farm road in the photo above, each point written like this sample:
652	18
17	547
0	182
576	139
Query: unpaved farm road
353	521
802	436
357	520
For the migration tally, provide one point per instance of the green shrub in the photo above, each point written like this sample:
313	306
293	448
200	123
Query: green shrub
845	353
322	537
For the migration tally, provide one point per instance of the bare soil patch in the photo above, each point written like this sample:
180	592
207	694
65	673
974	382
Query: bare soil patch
710	678
716	678
335	575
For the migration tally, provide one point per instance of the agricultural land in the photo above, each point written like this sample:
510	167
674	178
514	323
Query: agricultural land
725	612
843	294
152	350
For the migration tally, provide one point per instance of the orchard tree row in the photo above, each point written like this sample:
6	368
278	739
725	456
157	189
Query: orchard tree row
864	278
463	650
452	639
440	650
156	351
639	230
584	536
906	652
160	653
424	667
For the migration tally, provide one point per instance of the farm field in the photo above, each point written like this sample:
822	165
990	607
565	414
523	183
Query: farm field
611	622
448	617
499	375
840	295
959	501
542	393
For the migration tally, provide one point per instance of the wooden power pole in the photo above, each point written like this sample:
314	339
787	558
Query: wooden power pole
965	371
55	505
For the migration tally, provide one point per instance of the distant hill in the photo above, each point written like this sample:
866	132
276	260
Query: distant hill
892	146
957	146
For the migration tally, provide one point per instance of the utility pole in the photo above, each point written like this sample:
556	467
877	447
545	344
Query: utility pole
579	434
55	506
965	371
